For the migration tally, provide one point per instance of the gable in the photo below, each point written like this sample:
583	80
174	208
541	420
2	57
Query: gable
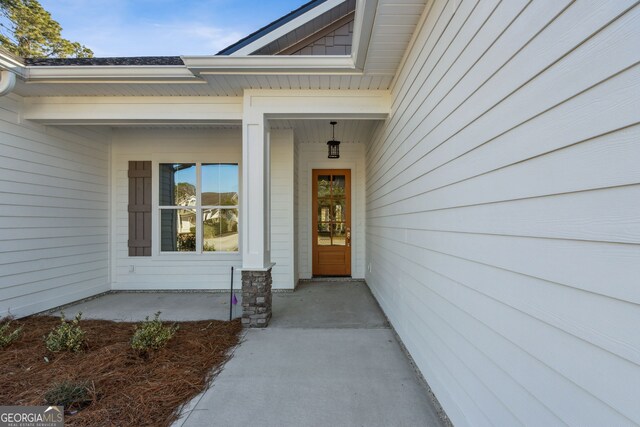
335	39
337	42
327	33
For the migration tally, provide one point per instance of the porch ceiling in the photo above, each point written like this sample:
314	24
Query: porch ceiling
319	131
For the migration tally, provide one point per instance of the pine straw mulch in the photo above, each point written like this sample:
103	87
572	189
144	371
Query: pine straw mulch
127	389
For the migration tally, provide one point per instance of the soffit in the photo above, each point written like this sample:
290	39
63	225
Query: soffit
213	85
394	25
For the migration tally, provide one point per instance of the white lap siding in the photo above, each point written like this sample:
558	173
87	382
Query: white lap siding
503	200
54	207
178	271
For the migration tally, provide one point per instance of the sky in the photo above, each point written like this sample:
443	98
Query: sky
163	27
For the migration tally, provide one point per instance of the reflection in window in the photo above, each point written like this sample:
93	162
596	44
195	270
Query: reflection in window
220	230
219	185
177	184
214	199
332	210
338	185
324	234
338	237
178	230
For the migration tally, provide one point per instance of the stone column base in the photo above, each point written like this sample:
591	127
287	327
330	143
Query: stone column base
256	298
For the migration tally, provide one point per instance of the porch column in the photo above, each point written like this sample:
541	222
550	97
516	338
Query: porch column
256	256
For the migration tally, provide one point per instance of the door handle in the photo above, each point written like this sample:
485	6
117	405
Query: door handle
348	236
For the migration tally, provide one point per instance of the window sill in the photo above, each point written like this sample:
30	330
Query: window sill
173	256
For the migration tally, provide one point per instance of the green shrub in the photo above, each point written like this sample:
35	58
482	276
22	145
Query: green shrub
152	334
67	336
71	395
7	337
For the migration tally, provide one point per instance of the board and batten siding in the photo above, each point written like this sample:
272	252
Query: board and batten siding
54	213
311	156
503	210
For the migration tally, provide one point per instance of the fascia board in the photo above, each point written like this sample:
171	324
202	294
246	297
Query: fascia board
195	65
339	64
112	73
362	30
286	28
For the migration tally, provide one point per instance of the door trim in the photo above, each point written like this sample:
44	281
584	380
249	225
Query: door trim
306	207
313	225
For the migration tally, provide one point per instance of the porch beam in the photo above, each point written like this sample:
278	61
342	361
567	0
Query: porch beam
118	110
353	104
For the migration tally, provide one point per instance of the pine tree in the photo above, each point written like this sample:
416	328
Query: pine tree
29	31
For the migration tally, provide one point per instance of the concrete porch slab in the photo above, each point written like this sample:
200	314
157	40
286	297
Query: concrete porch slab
332	304
177	306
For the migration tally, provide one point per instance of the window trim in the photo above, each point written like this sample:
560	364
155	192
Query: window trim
155	213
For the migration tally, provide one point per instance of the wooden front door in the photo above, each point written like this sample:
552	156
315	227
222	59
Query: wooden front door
331	222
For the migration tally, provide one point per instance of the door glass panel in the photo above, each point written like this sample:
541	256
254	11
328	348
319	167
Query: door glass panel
339	212
324	186
332	214
338	185
339	234
177	184
324	234
324	210
178	230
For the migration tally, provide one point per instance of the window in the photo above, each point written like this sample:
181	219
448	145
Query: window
198	205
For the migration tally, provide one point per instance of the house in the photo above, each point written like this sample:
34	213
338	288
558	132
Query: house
487	186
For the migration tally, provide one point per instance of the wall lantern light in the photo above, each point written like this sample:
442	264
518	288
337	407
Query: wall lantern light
334	146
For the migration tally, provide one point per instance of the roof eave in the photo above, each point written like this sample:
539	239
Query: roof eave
193	68
111	73
270	64
13	63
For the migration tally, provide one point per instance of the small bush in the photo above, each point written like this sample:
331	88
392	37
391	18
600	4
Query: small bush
152	335
71	395
68	336
7	337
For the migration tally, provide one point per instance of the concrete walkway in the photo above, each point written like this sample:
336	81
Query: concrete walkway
328	358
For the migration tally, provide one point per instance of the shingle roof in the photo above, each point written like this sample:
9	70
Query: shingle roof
139	60
270	27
